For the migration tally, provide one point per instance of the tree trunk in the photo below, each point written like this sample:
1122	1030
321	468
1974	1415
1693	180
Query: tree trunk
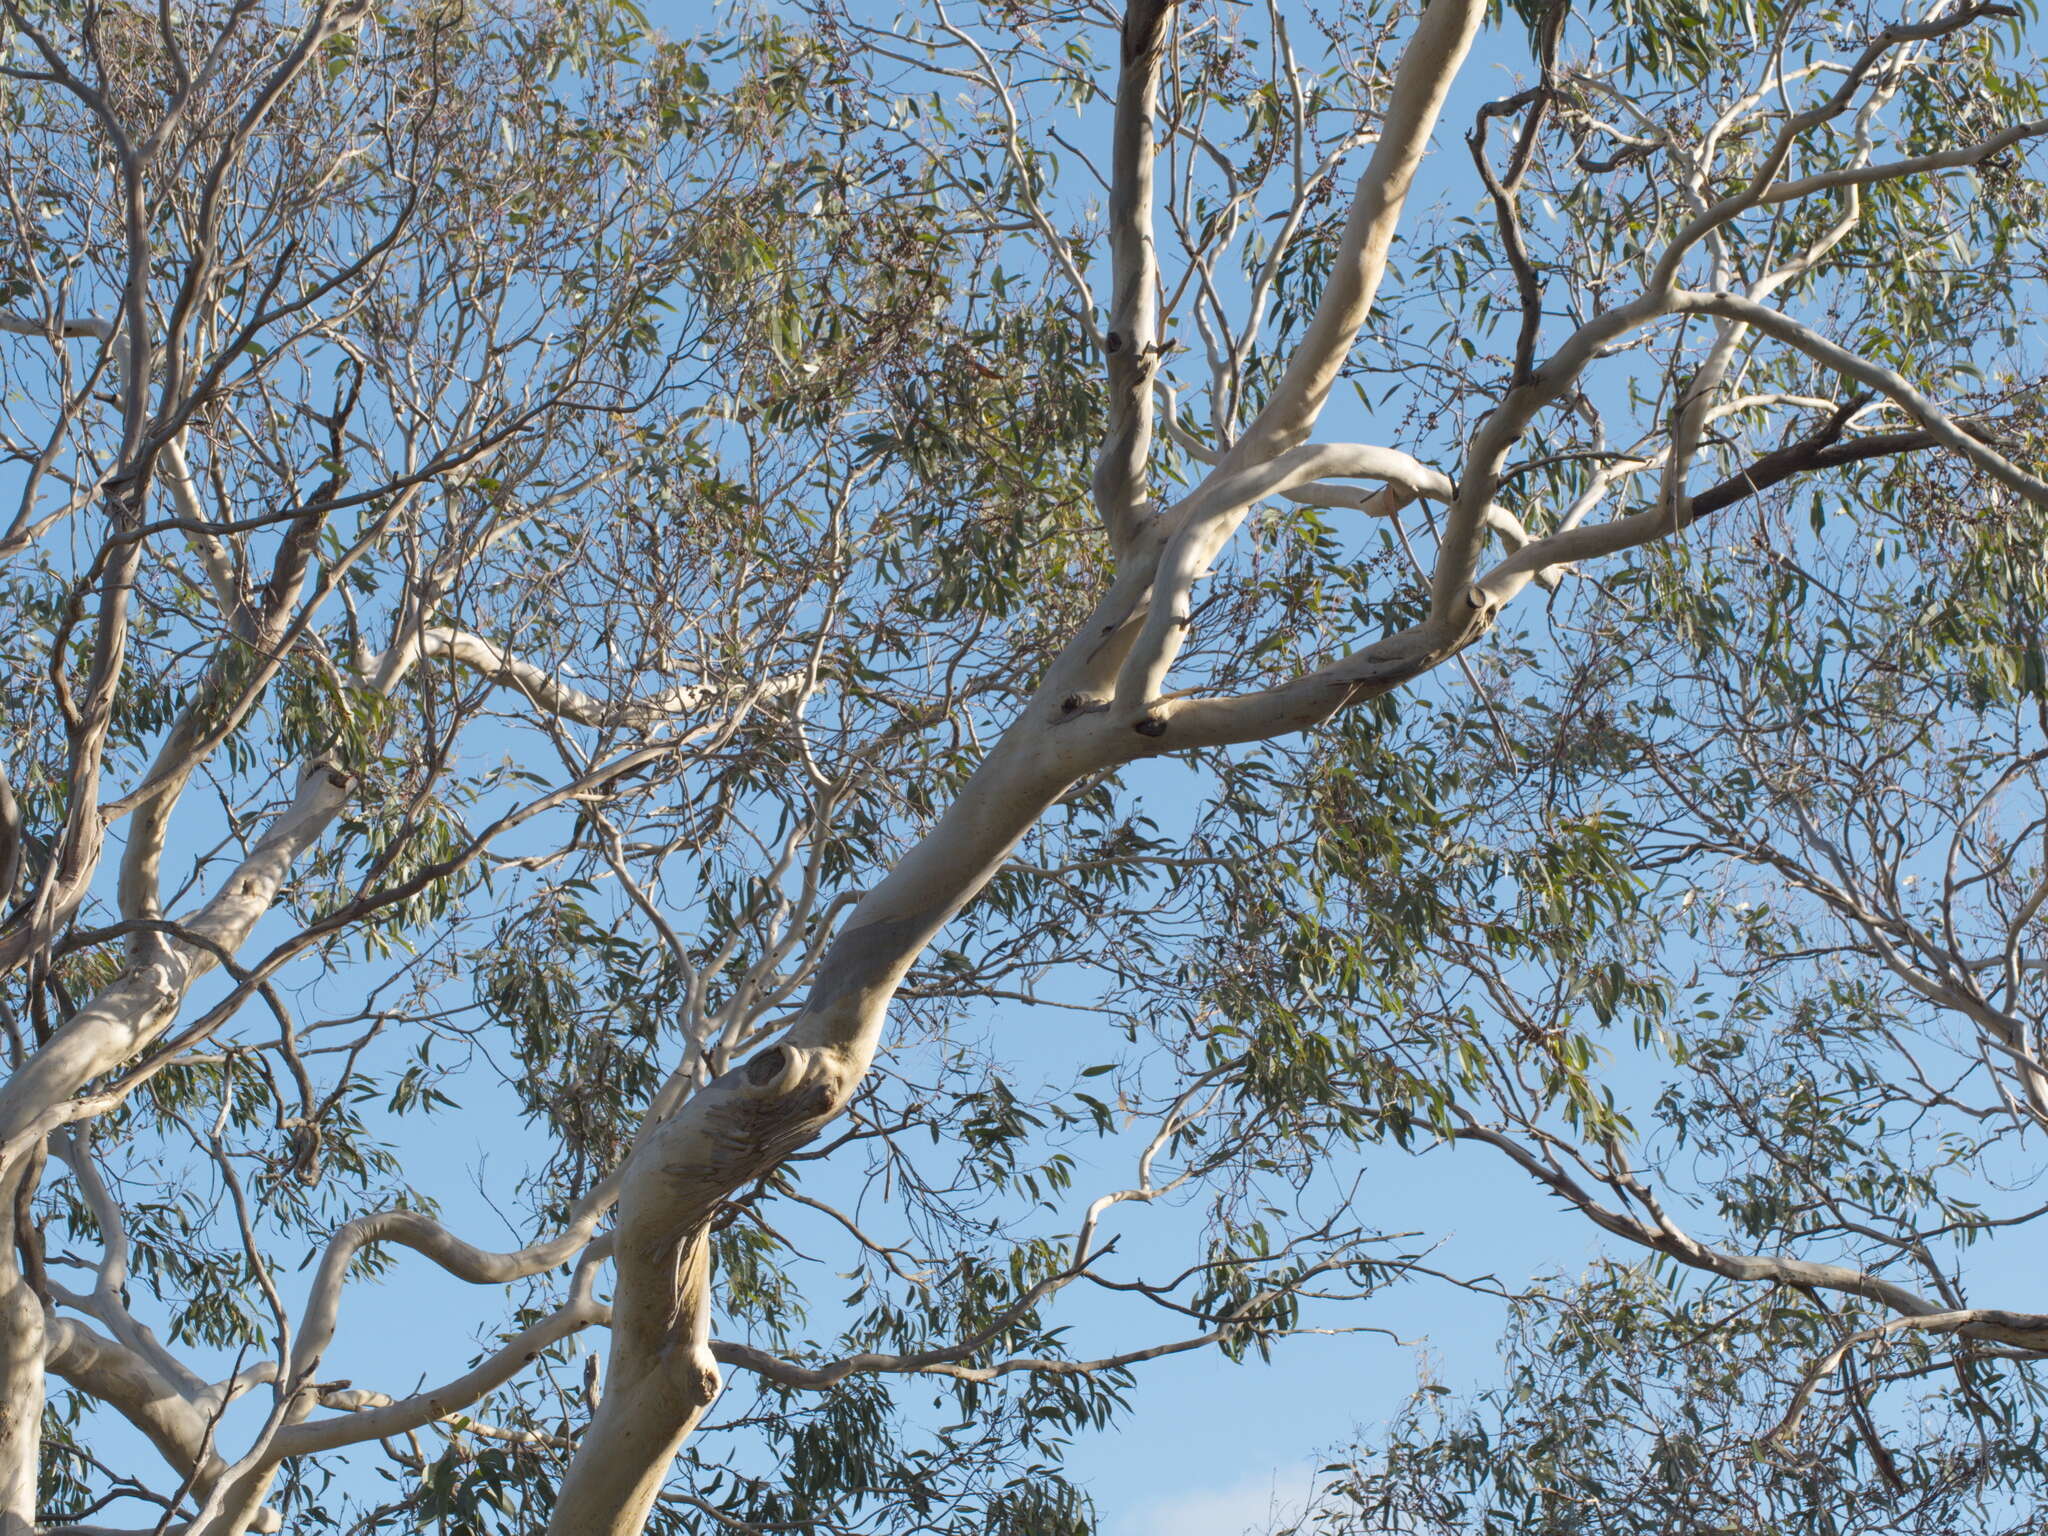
659	1381
21	1383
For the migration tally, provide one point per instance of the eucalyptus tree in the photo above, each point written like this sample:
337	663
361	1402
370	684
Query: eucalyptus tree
624	587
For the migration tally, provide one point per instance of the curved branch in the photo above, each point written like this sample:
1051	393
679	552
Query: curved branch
1969	1322
1938	423
1204	521
463	1260
132	1385
2026	1330
379	1417
498	665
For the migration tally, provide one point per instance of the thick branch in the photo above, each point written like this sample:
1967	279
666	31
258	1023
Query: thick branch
1205	521
1428	66
1132	340
123	1379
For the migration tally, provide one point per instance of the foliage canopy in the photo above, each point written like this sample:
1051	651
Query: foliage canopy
956	697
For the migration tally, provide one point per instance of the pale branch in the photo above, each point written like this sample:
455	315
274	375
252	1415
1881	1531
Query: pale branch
373	1416
199	532
67	328
13	846
110	1279
1939	424
787	1373
431	1240
1182	438
290	1432
1719	213
660	1380
1458	553
1961	157
1826	448
459	1426
553	696
87	714
1183	1112
1464	530
747	1120
287	575
1423	79
224	691
134	1008
1204	521
1132	337
1306	701
1389	501
148	1399
2013	1328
